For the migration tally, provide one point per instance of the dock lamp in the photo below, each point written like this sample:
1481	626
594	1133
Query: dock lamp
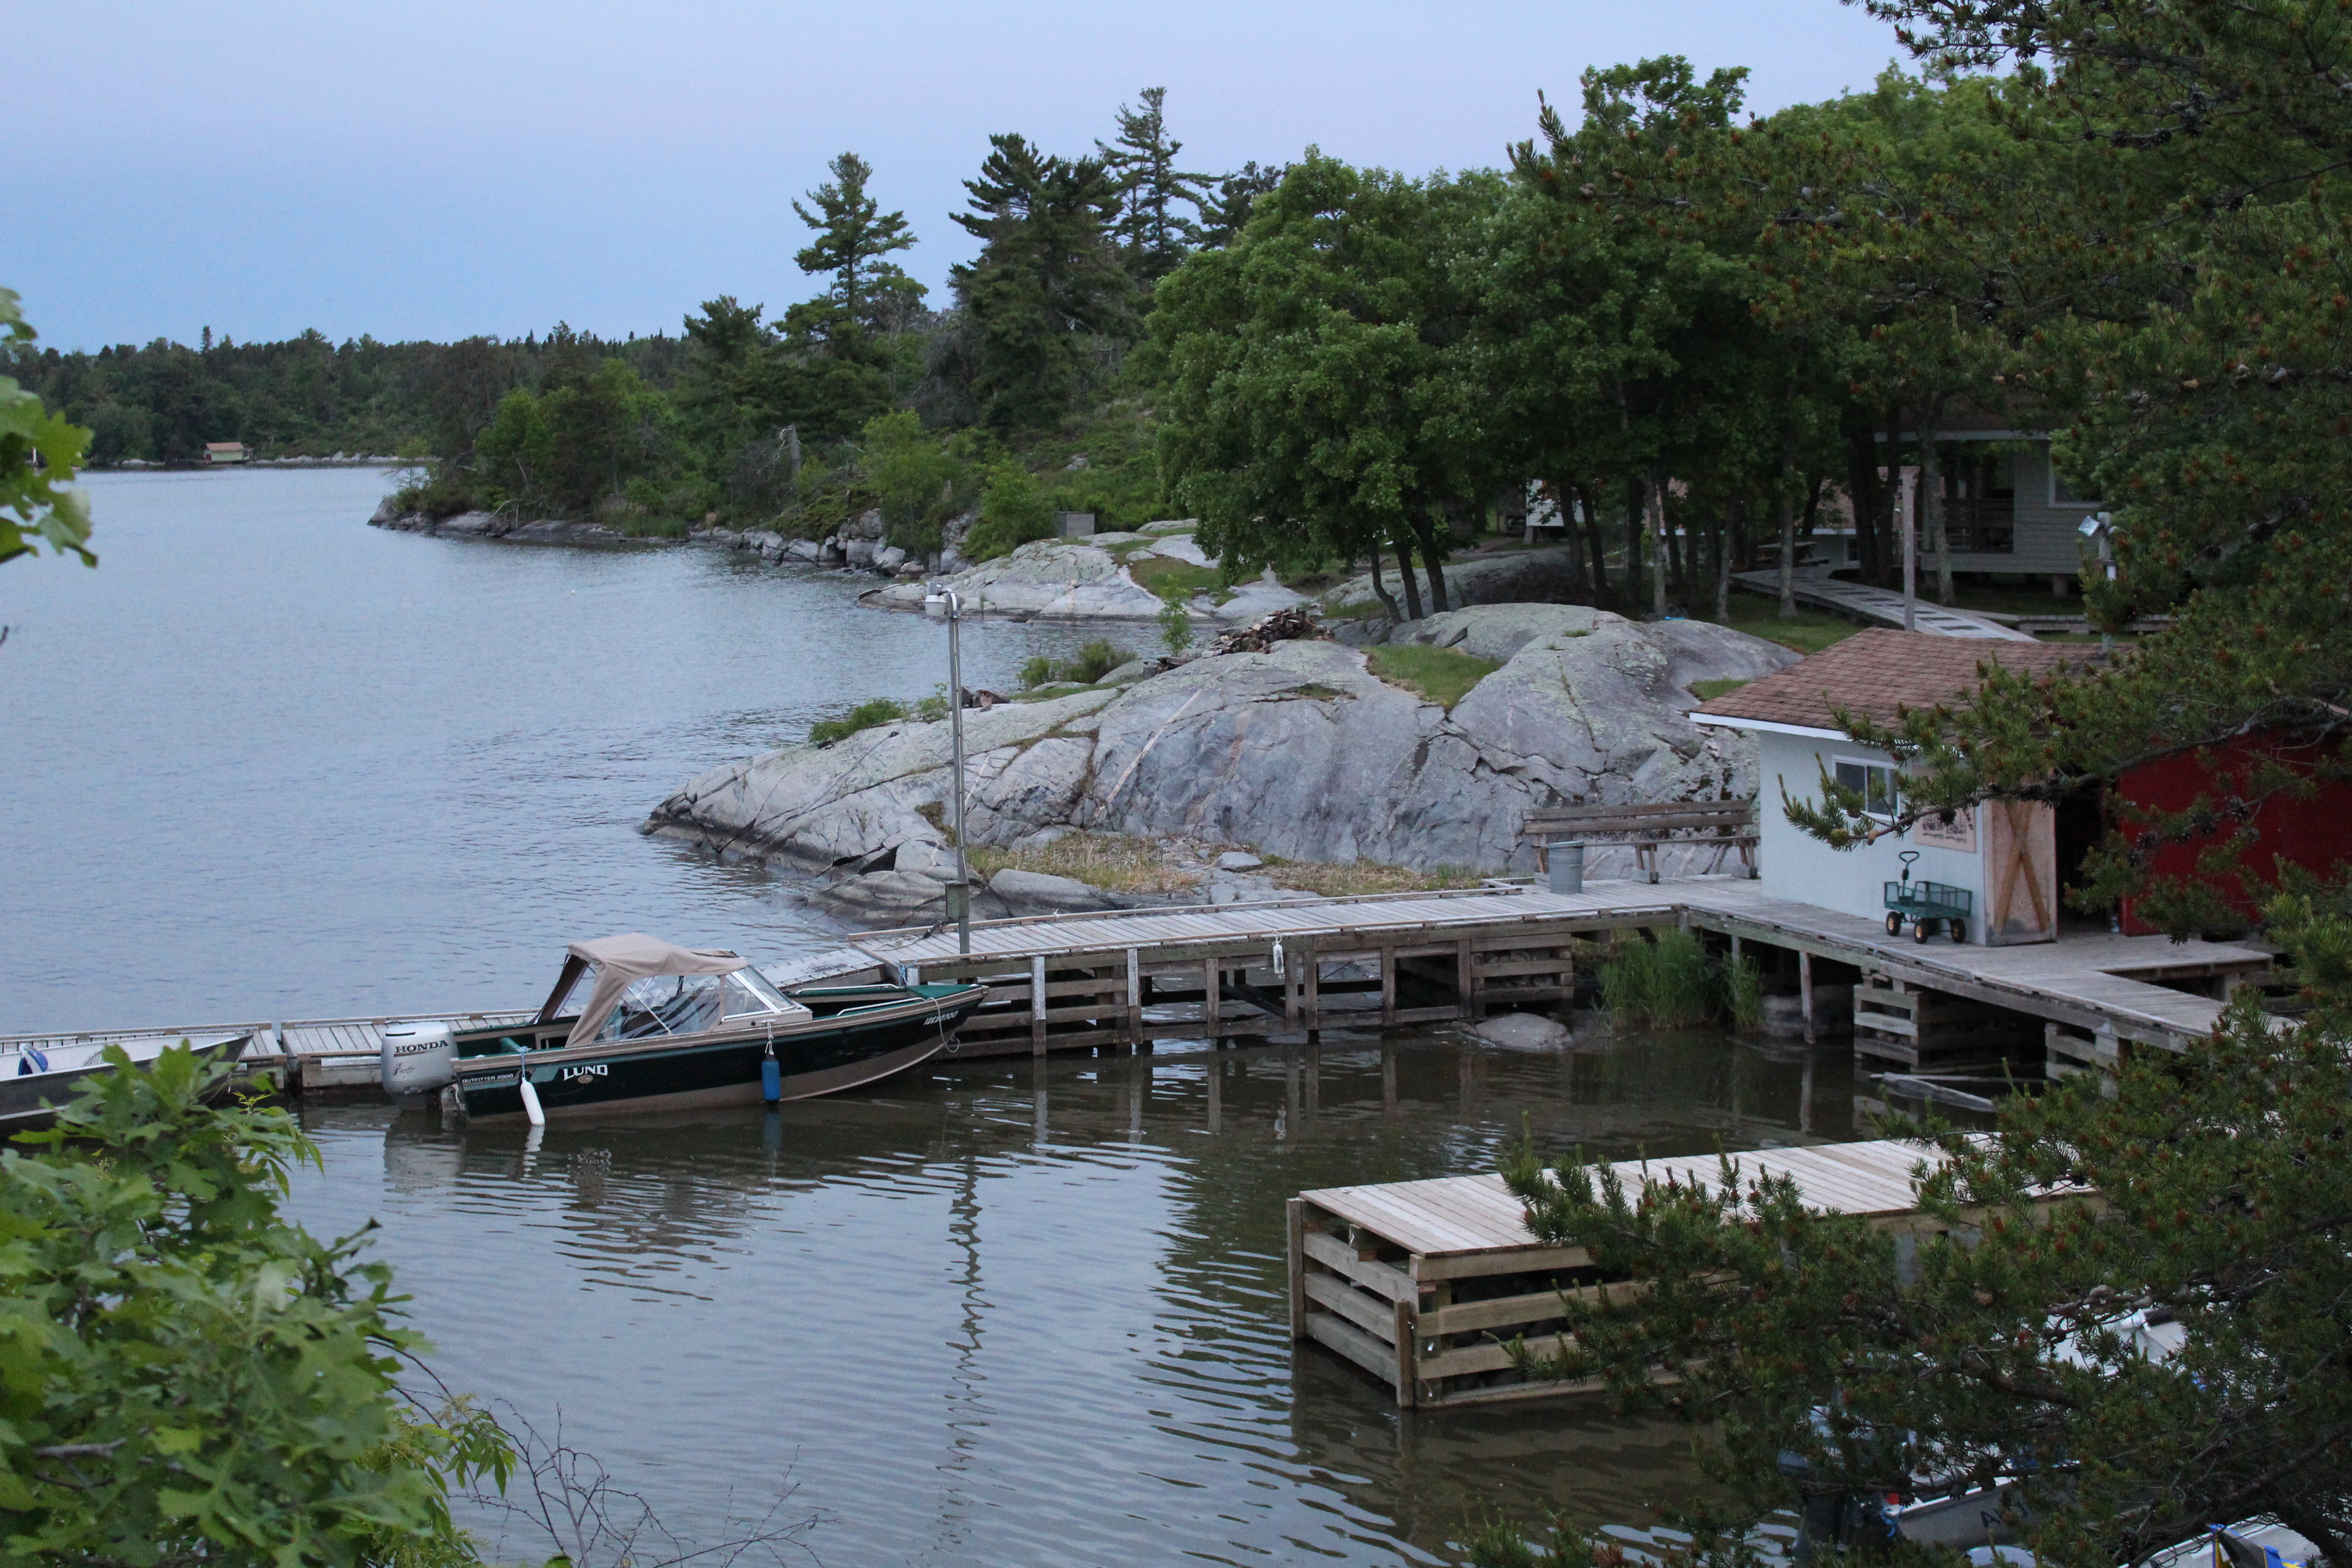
2099	530
941	603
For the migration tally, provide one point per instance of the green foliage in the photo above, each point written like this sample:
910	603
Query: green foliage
1095	661
1153	236
33	506
1175	627
1014	511
1321	399
919	478
1179	583
854	235
1443	675
568	450
1671	983
2221	1199
1047	299
1705	690
871	714
190	1378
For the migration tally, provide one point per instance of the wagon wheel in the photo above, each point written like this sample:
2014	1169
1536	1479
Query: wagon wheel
1959	930
1919	931
1893	922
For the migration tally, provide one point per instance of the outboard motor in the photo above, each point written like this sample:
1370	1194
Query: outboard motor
418	1059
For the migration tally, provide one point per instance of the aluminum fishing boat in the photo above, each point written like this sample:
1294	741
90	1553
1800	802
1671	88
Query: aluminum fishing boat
637	1024
35	1076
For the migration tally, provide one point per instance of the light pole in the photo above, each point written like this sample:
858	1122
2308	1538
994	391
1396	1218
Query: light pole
942	602
2099	529
1906	498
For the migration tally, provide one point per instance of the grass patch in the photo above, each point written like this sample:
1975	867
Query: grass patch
1672	983
1439	674
1708	690
1807	631
1358	877
1176	582
869	715
1101	860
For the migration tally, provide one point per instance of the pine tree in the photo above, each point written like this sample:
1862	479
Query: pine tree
853	234
1229	210
1153	236
1047	289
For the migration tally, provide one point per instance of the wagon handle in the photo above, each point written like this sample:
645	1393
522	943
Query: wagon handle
1906	857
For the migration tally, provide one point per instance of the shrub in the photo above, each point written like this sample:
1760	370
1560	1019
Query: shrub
868	715
1014	511
1175	628
1094	662
190	1377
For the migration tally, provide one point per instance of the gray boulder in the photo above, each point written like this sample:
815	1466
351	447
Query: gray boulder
889	558
1299	752
1523	1032
858	552
1027	892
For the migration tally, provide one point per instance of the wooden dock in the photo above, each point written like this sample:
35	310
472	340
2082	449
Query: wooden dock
1134	977
1426	1284
1128	979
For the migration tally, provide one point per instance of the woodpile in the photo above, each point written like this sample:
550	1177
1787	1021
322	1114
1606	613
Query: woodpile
1294	623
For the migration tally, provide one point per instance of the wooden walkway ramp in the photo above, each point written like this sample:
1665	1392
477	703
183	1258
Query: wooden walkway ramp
1425	1284
1883	607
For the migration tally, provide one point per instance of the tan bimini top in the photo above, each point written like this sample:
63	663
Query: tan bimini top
621	960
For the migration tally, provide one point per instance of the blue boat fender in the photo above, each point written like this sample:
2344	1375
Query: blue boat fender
771	1077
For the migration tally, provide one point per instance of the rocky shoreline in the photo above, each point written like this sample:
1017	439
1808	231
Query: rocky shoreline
1300	754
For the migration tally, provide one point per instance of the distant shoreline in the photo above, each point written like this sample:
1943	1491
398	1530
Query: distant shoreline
141	466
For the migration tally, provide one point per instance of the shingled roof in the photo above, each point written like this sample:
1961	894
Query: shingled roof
1875	673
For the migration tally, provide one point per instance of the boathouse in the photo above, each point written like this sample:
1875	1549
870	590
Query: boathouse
218	454
2002	855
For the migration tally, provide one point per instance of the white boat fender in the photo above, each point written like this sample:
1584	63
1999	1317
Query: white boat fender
531	1107
418	1059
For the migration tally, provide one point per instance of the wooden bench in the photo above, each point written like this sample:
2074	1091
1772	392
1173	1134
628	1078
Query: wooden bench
1730	824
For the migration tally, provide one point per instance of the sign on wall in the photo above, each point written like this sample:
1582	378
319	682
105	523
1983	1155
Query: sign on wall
1959	834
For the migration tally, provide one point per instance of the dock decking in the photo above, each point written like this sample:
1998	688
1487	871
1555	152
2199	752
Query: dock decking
1132	977
1425	1284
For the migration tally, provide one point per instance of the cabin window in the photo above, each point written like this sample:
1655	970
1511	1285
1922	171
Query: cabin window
1875	782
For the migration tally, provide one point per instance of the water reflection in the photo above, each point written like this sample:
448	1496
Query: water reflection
1008	1315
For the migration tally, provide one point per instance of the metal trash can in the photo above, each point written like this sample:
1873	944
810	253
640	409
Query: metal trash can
1566	858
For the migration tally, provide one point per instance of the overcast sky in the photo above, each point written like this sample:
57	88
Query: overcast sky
438	168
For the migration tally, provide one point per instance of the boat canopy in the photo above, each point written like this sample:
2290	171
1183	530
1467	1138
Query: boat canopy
620	961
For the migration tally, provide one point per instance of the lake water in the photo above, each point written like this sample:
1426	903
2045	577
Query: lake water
268	761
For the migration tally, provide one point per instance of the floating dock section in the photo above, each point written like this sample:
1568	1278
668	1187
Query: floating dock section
1426	1284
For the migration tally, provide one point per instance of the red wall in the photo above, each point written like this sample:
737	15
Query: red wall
2314	833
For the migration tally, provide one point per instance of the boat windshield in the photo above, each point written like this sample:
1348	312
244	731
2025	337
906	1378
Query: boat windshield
662	1004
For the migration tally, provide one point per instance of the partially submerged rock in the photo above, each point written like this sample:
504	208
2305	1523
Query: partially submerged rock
1299	752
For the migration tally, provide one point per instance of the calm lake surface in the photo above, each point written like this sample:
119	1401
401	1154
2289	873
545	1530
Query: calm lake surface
268	761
